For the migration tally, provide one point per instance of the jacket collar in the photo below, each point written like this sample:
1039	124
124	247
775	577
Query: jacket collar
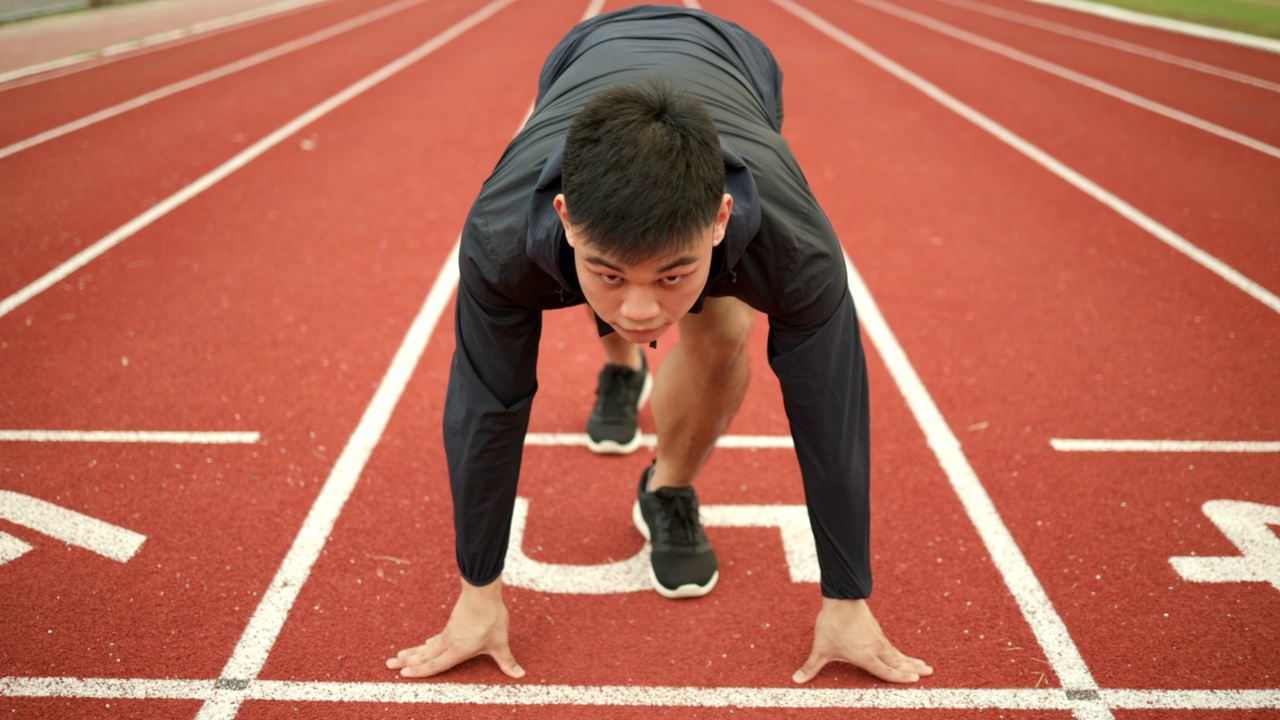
547	247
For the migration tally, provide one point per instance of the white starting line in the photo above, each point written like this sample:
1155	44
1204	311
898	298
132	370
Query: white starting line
1196	446
131	436
409	692
736	442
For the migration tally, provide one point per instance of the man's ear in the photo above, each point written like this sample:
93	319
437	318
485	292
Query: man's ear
722	219
563	211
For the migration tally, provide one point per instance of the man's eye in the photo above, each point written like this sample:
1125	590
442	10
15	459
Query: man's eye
610	279
672	279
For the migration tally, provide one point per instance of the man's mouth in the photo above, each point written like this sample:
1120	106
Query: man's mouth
642	332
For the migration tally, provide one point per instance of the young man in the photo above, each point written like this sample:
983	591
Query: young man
659	203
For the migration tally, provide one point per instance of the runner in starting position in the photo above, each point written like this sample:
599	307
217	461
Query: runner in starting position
652	183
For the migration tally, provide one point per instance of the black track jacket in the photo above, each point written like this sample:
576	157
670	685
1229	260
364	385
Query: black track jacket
780	256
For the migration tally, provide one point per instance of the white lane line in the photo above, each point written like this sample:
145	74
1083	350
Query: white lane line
1073	76
209	76
409	692
1169	24
640	696
69	526
630	695
1040	157
738	442
1164	446
593	9
268	619
106	688
1059	648
1113	43
130	436
175	200
1191	699
80	61
259	636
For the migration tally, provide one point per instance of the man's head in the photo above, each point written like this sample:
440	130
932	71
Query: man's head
643	205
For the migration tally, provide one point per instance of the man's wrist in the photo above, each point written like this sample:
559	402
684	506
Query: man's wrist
843	605
490	591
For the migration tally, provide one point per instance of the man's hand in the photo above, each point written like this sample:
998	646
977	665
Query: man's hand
847	631
477	626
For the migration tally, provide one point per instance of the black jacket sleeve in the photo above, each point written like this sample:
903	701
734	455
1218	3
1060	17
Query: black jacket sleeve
816	352
491	386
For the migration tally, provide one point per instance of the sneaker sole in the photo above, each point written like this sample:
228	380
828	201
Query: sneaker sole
684	591
613	447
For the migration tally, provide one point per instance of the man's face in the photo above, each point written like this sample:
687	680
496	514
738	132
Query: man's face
642	300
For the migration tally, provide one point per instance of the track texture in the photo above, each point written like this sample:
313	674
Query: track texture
274	298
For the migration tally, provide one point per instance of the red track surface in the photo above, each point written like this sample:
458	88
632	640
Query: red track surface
275	300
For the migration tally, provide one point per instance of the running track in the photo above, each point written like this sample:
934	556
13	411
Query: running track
1062	229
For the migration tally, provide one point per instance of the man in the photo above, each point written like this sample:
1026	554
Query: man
659	203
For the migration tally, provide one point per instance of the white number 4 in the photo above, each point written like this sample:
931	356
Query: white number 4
66	525
1246	525
632	574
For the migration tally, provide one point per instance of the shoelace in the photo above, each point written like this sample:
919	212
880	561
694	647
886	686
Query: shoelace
680	509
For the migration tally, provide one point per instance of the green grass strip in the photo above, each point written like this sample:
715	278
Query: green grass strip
1257	17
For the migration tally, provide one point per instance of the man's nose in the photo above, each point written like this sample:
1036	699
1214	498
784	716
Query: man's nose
639	306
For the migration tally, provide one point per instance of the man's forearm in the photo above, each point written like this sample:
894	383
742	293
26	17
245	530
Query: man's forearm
824	385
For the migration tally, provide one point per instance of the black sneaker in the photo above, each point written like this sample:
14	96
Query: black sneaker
621	392
683	564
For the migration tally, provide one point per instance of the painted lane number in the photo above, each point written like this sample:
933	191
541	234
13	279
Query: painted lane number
632	574
1246	525
69	526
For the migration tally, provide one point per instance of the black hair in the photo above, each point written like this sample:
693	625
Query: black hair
643	173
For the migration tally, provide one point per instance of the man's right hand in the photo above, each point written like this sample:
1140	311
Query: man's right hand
847	631
477	626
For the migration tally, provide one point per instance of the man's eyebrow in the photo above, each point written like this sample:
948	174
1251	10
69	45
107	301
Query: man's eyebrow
678	262
597	260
